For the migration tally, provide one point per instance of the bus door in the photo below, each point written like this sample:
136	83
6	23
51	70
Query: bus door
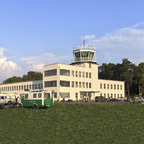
48	100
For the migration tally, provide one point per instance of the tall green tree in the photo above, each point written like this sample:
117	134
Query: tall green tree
127	74
139	76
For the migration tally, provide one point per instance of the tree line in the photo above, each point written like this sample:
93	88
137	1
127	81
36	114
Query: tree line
132	74
31	75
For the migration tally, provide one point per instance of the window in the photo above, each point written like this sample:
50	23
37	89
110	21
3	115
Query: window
114	95
50	72
108	95
121	95
89	75
121	87
86	85
107	86
65	83
55	94
111	95
118	95
19	87
76	84
104	86
76	95
73	73
38	86
80	84
39	95
114	86
76	73
89	65
79	74
111	86
64	72
26	96
89	85
34	96
83	74
50	83
47	95
65	95
86	74
83	84
35	86
22	87
100	85
104	95
72	83
118	87
8	88
100	94
29	86
41	86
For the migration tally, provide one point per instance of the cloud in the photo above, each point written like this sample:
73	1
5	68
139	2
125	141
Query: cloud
123	43
7	68
36	63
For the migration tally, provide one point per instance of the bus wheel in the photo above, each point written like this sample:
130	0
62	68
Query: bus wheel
10	104
2	106
35	106
20	105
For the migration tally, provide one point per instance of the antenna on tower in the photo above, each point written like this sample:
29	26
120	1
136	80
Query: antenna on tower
84	41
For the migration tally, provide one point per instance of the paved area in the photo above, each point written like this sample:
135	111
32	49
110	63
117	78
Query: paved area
112	102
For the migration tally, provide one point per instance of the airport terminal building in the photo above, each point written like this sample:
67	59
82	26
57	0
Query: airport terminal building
77	81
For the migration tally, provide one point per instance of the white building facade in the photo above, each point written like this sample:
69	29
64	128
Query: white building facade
77	81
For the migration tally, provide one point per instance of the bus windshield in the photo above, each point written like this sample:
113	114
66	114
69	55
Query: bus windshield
47	95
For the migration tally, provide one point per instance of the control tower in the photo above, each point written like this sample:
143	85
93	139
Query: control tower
84	53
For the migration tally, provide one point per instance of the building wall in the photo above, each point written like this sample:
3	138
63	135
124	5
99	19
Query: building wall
20	86
109	88
75	76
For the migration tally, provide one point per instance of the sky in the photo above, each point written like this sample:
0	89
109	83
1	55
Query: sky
34	33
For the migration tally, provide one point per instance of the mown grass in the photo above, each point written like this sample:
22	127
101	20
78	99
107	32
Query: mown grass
73	124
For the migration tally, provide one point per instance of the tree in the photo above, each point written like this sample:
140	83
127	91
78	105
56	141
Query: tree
12	80
127	74
139	75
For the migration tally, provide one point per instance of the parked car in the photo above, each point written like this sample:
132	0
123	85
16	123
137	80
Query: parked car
138	100
101	99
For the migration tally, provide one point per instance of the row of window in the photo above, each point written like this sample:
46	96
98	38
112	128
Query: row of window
67	84
81	84
22	87
65	72
111	95
110	86
37	95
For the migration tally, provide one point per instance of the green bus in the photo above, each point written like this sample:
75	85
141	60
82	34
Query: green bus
36	99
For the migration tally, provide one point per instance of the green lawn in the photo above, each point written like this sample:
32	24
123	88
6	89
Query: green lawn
73	124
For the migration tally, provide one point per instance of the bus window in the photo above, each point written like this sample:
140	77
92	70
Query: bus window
22	96
39	95
47	95
26	96
34	95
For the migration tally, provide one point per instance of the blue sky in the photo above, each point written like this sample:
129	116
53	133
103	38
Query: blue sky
32	31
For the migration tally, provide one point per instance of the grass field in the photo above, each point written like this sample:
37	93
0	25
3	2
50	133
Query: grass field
73	124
